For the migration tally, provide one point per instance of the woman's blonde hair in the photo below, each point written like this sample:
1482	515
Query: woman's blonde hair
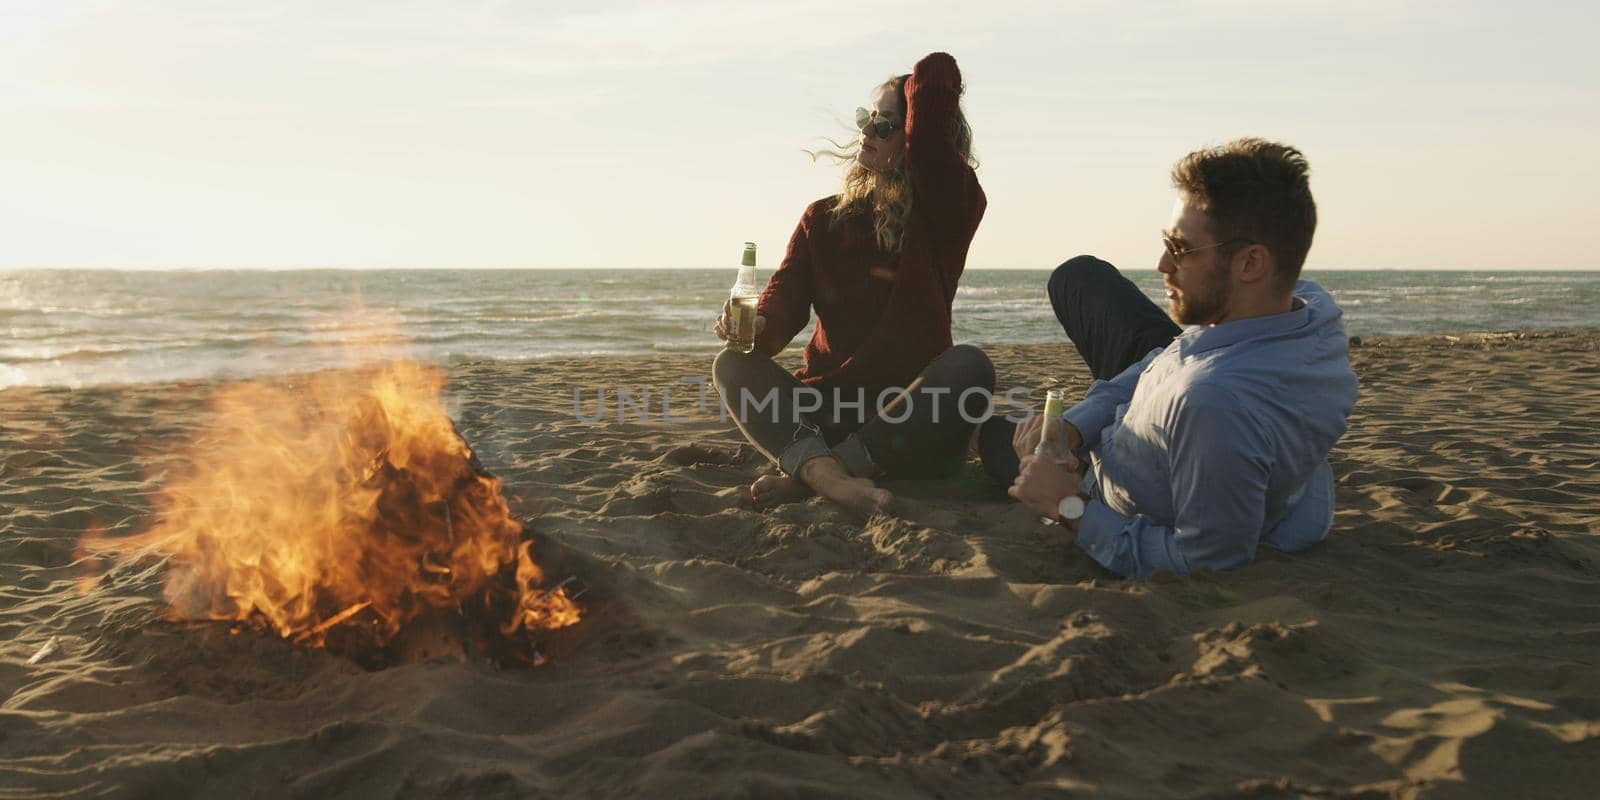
887	196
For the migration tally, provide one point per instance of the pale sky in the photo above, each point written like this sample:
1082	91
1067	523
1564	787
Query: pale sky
462	133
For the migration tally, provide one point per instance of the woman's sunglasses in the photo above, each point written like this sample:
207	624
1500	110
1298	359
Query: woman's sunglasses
868	123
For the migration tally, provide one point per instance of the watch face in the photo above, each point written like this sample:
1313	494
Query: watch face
1071	507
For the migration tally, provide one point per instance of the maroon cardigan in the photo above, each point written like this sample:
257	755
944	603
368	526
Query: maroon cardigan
881	318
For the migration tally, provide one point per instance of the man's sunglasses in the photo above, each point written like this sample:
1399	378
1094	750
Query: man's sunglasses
868	123
1178	251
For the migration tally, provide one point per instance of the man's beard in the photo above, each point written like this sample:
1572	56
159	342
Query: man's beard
1204	304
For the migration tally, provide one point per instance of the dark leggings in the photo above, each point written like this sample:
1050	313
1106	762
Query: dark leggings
922	432
1108	319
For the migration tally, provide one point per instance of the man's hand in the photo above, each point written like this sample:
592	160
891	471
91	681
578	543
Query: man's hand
722	322
1025	440
1042	483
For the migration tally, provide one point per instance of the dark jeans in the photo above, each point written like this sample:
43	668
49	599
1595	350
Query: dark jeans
1108	319
922	432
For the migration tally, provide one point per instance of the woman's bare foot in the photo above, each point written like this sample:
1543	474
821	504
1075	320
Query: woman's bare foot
828	477
775	490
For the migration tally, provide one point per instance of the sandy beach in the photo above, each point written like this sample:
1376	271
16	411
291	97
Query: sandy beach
1443	643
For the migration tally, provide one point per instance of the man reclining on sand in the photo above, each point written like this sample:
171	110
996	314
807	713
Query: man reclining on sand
1202	442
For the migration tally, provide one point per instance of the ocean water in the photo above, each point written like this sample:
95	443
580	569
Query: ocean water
86	327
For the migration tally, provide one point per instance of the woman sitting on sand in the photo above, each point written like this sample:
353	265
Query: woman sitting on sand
882	393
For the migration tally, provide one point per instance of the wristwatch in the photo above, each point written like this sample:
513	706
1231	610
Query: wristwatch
1071	507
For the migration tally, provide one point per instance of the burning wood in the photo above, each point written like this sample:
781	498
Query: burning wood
341	510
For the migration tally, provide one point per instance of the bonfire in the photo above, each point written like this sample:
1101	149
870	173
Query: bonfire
343	509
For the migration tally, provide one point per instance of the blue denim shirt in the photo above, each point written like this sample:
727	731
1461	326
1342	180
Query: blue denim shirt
1218	443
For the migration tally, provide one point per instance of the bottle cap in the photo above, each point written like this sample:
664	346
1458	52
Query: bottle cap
749	259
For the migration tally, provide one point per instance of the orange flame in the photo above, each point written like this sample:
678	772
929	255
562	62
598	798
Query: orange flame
344	503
